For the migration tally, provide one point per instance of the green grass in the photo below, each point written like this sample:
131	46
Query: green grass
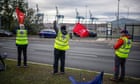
41	74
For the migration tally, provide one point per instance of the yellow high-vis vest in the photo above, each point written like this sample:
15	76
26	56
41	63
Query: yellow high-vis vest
21	37
124	50
62	41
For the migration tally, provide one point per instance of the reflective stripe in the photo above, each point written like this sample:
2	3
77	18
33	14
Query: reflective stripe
61	47
21	37
62	42
124	50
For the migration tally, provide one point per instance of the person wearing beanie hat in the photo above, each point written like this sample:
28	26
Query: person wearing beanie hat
124	31
60	46
22	44
122	49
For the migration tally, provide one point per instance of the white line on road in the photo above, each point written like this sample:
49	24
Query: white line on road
134	60
9	47
1	43
82	55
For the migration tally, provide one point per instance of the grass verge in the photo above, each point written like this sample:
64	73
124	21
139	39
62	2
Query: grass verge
41	74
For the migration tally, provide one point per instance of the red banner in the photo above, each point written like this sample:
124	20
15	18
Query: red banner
80	30
20	16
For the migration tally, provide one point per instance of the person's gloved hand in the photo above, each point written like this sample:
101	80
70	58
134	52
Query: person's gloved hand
64	32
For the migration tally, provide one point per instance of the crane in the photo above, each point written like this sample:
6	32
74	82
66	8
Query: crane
78	17
58	16
91	17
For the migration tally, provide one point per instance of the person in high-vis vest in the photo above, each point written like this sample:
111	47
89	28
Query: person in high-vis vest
122	49
60	46
21	43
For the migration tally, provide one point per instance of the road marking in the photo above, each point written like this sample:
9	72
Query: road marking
1	43
81	54
9	47
101	39
134	60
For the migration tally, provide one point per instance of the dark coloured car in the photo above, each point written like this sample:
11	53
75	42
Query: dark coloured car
92	34
47	33
5	33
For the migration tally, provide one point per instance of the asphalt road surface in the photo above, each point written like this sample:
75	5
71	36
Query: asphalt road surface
88	55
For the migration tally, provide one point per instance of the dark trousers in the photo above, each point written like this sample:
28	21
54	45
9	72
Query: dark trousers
59	55
119	65
22	49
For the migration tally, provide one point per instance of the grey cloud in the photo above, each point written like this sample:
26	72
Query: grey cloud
97	7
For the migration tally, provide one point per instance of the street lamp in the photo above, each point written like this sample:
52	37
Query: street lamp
118	14
86	14
127	12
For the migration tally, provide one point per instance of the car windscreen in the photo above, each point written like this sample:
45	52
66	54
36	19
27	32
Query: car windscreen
52	32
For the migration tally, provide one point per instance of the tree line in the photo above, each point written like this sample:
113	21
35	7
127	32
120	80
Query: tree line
8	16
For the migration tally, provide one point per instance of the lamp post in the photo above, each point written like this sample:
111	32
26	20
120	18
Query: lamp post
118	14
86	14
127	11
86	22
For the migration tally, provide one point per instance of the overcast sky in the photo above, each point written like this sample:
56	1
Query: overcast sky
98	8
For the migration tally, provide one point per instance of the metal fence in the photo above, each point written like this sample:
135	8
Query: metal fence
134	31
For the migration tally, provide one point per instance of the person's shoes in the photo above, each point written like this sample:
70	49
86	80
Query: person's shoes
25	66
113	79
121	80
54	73
62	73
18	66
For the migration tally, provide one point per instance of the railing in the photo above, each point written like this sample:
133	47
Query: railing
134	31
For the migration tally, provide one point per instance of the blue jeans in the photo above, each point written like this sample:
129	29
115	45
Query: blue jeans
119	65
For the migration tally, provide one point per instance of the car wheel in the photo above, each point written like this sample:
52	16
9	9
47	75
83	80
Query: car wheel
41	36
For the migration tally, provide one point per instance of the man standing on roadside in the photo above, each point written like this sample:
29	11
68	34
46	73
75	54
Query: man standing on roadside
21	43
21	39
60	46
122	50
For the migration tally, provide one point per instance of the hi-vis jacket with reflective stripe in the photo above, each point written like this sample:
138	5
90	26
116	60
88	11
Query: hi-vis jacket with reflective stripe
62	41
124	50
21	37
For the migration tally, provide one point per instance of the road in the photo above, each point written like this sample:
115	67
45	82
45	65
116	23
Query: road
94	56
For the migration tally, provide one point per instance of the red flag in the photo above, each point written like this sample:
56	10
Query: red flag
20	16
80	30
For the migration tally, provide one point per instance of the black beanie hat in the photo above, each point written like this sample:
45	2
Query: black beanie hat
63	27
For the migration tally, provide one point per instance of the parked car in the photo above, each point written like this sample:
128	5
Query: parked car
76	34
47	33
5	33
92	34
